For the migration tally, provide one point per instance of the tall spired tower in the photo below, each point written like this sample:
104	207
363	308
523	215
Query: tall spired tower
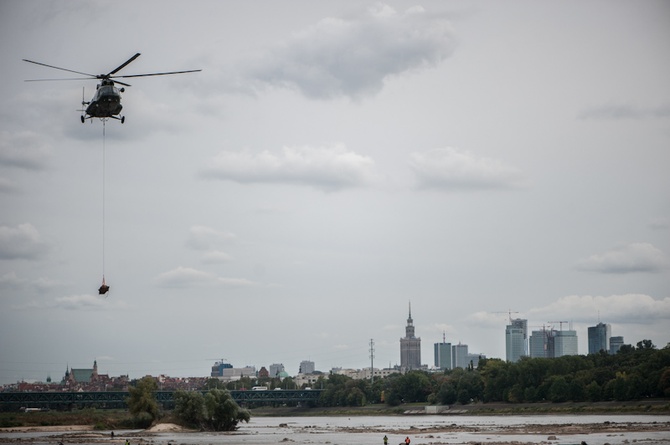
410	347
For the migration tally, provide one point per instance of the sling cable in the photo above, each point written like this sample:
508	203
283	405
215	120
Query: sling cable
103	288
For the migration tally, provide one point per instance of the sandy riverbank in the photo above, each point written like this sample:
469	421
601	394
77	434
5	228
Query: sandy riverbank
164	433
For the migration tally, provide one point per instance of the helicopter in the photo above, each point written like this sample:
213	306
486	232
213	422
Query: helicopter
106	103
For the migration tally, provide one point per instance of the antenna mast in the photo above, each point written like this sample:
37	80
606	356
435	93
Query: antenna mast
372	358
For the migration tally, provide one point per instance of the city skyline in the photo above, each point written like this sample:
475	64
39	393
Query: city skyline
459	354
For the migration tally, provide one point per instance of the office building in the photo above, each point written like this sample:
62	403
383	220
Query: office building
516	340
540	344
306	367
410	347
550	343
442	355
460	356
599	338
473	359
615	344
276	369
565	343
217	369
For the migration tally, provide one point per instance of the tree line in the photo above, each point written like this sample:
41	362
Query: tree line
633	373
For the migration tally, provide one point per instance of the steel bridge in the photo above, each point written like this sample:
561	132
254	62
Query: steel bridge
14	401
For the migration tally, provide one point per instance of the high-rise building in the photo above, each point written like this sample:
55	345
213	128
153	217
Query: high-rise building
516	340
460	356
550	343
615	344
565	343
410	347
540	344
473	359
276	369
443	355
599	338
306	367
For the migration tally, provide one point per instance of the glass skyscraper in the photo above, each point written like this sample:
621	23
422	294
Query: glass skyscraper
599	338
516	340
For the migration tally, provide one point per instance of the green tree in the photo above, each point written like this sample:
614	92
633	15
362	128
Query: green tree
593	392
142	403
447	394
190	408
558	391
222	413
664	382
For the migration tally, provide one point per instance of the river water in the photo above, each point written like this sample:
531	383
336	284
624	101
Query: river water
422	430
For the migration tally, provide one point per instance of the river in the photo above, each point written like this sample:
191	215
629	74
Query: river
421	429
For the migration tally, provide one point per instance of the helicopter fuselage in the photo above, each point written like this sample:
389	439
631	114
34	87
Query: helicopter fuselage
106	102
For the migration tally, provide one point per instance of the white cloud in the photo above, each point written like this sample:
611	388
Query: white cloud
207	238
216	256
328	168
183	277
23	150
634	257
84	302
486	319
21	242
627	308
450	168
353	56
80	302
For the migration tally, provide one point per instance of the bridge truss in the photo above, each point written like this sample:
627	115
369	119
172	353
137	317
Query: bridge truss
14	401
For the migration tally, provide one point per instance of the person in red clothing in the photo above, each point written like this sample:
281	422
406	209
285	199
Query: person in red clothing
407	441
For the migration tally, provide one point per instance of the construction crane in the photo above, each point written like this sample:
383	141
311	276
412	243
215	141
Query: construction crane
560	323
508	312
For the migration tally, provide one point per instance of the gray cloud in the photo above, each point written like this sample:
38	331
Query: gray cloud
634	257
660	224
21	242
8	186
450	168
328	168
24	150
353	56
616	112
11	281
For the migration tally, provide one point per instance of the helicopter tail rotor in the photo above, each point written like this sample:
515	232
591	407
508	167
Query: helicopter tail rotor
83	105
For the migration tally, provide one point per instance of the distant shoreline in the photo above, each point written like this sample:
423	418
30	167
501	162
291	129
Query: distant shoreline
657	406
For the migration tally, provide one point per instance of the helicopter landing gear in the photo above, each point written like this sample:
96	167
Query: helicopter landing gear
123	119
83	119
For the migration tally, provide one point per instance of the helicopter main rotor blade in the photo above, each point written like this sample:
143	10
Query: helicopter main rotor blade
123	65
155	74
63	78
59	68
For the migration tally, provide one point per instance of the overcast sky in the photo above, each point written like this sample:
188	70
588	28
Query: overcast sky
333	162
